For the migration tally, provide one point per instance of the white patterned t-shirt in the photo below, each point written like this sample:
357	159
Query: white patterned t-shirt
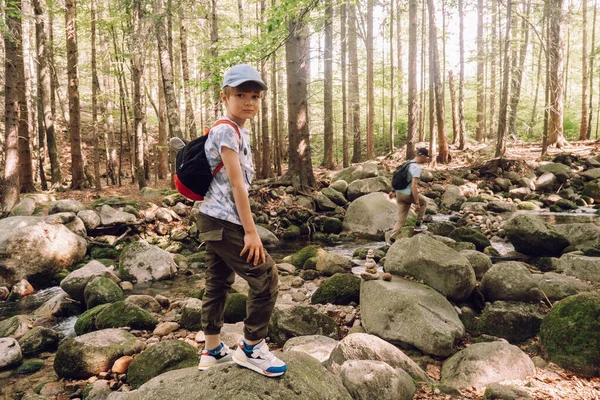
219	202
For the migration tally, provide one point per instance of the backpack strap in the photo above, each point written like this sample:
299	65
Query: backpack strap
237	130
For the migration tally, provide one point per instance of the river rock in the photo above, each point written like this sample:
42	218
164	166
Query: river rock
505	392
38	340
101	290
317	346
464	234
546	182
592	189
191	315
330	263
267	237
371	215
362	187
25	208
291	320
512	321
10	352
367	379
144	262
336	196
90	218
483	363
580	266
73	206
413	314
561	171
453	198
120	314
436	264
510	280
110	216
534	237
15	327
145	302
74	283
306	379
363	346
480	262
341	289
360	171
557	286
28	245
501	206
570	334
86	322
324	203
83	356
160	358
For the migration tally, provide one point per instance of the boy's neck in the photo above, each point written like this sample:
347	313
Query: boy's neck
239	122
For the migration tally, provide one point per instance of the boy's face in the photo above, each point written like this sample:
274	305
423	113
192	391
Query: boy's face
241	103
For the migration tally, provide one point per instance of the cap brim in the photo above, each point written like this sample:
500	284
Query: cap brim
240	81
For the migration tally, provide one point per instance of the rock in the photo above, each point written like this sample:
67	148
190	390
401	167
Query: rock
557	286
110	216
4	292
305	379
332	225
38	340
561	171
90	218
101	290
439	266
592	190
329	264
570	334
534	237
324	203
145	302
367	379
21	289
335	196
505	392
120	314
15	327
371	215
191	315
290	320
29	248
528	205
413	314
362	346
441	228
160	358
512	321
580	266
316	346
519	193
483	363
25	208
355	172
473	207
97	390
547	182
453	198
86	322
510	280
267	237
235	308
87	355
10	352
341	289
480	262
363	187
501	207
291	233
164	328
143	262
339	185
299	258
464	234
59	206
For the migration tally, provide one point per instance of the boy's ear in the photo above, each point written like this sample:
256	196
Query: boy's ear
223	96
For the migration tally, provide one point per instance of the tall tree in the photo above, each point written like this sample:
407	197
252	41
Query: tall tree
25	161
502	118
274	114
438	85
494	55
343	65
583	129
214	40
353	87
392	86
399	52
370	83
454	108
328	92
10	183
518	65
137	73
556	80
297	53
163	163
77	174
95	90
479	135
592	56
190	121
266	170
461	81
413	102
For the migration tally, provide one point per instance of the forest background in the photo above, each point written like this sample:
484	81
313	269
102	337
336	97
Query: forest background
94	89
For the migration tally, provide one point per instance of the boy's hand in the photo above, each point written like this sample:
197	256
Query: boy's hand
254	247
392	195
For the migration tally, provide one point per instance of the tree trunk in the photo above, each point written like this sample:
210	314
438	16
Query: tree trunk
370	83
537	81
517	72
443	155
555	50
163	152
95	90
501	143
190	121
297	53
344	56
479	132
592	55
27	140
353	88
392	88
12	32
267	170
399	52
413	103
214	40
423	91
274	114
493	73
583	129
137	73
547	83
328	92
461	81
78	177
455	118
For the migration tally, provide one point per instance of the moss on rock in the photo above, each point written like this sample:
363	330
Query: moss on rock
29	367
235	308
464	234
101	290
341	289
122	313
86	322
299	258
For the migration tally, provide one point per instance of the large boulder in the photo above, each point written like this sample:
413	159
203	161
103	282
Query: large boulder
480	262
510	280
360	171
591	174
28	248
561	171
366	379
329	264
371	215
362	187
101	290
10	352
592	189
453	198
534	237
316	346
15	326
121	313
290	320
579	233
110	216
24	208
512	321
67	205
340	289
483	363
37	340
362	346
267	237
408	313
86	322
436	264
558	286
470	235
580	266
335	196
83	356
570	334
305	379
144	262
160	358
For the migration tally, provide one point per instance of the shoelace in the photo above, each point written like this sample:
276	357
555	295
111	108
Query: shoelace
263	352
224	350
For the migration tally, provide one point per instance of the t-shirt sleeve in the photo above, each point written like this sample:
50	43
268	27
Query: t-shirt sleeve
415	170
225	135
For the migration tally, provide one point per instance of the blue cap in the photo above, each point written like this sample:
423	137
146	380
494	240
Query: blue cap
242	73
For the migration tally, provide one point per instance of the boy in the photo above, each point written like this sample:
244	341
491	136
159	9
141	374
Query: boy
410	194
232	243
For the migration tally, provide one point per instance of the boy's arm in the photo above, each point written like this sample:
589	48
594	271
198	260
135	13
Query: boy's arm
415	191
252	243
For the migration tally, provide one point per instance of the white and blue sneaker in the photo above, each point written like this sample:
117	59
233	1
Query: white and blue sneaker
222	354
259	358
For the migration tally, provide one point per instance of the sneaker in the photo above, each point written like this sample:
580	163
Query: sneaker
176	144
209	359
259	359
419	226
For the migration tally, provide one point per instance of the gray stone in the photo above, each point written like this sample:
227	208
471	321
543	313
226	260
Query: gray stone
512	321
15	326
143	262
90	218
546	182
367	379
362	187
145	302
110	216
316	346
414	314
371	215
497	391
334	195
453	198
510	280
324	203
480	262
557	286
329	264
580	266
38	340
74	283
77	227
532	236
73	206
267	237
591	174
101	290
291	320
10	352
60	218
561	171
340	185
24	208
501	206
191	315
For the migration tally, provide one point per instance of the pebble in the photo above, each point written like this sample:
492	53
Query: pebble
200	338
126	286
297	282
4	292
122	364
165	328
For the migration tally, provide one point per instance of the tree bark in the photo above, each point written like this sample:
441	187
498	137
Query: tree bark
502	118
163	152
555	123
423	91
592	55
343	65
413	102
517	72
399	52
479	132
455	118
275	115
214	40
137	73
392	88
95	90
328	92
461	81
78	176
493	73
353	89
190	121
297	52
370	83
267	170
583	129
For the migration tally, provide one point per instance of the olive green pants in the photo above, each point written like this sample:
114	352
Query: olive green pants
224	243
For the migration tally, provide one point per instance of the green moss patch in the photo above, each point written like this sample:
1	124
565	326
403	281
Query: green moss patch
341	289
